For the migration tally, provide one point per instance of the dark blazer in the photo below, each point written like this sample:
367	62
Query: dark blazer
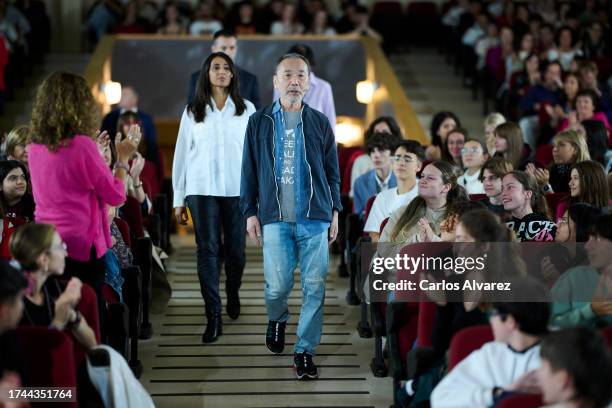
249	87
109	123
258	187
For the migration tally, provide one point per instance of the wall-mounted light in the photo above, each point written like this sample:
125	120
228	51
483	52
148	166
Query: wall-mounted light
348	131
112	92
365	91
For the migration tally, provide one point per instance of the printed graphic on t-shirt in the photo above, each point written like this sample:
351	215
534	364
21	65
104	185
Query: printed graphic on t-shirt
288	174
537	230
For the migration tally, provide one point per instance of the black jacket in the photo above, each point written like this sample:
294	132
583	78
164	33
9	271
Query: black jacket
258	184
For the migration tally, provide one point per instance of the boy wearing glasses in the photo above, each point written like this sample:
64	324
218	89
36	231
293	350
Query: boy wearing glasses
381	178
508	363
407	161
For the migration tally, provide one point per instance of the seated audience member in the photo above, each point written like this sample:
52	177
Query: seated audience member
580	296
449	224
556	114
319	95
522	199
361	24
381	177
363	163
438	194
441	124
473	226
589	72
505	364
134	185
587	185
63	157
17	142
130	23
407	161
575	370
129	103
572	227
585	105
493	171
549	92
205	22
492	121
594	41
522	81
288	23
473	156
597	140
321	25
15	200
41	253
172	22
566	48
569	148
245	24
12	286
509	144
451	148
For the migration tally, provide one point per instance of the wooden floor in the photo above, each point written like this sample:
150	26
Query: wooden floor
238	370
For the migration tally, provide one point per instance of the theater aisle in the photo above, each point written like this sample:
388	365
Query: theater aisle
238	370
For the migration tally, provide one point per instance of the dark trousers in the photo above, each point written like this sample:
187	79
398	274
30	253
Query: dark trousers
210	215
92	273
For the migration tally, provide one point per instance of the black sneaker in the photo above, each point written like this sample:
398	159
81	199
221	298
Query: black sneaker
275	336
305	369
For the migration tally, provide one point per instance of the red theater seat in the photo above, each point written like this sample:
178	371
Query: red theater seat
544	156
521	401
466	341
49	358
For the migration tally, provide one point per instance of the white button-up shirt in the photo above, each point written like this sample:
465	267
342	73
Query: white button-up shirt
208	155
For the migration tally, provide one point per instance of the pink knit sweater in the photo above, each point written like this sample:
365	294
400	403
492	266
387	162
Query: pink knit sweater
72	188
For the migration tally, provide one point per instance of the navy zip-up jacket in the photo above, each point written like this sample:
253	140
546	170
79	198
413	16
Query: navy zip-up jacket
259	187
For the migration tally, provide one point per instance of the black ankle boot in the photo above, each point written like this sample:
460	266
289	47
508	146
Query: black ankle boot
233	304
213	329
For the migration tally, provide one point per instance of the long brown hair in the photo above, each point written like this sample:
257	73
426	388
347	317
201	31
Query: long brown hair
514	138
593	184
203	93
64	107
537	202
417	207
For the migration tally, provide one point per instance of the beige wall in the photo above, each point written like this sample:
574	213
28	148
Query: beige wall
66	17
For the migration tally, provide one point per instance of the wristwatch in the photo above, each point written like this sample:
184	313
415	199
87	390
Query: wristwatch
121	165
76	322
547	188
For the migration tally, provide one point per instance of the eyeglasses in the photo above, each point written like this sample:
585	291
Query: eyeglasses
563	220
470	150
404	159
61	246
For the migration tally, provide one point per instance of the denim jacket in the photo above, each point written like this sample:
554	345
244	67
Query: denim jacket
318	189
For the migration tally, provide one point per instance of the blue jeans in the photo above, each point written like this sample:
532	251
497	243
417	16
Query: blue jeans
210	215
283	245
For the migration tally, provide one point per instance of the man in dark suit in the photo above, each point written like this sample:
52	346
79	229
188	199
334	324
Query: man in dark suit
129	102
225	41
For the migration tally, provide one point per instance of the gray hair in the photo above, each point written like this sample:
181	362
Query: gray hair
292	55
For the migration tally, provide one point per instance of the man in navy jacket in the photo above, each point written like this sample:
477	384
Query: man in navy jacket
290	184
225	41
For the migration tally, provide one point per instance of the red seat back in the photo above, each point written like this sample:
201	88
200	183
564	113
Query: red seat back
477	197
467	340
368	206
544	155
427	319
88	306
150	179
48	358
521	401
607	333
345	187
383	224
422	9
124	228
553	200
132	213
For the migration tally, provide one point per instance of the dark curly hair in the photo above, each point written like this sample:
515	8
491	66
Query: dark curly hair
64	107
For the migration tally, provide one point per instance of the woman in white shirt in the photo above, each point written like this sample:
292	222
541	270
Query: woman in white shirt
473	156
206	178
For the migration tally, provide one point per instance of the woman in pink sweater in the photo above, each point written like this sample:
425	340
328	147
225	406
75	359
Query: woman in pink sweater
72	185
